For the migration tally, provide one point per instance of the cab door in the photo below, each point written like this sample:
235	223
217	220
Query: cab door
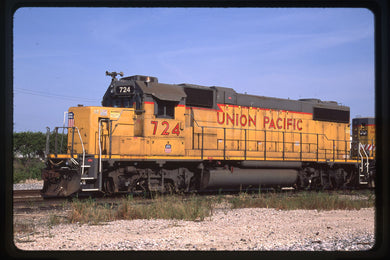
104	136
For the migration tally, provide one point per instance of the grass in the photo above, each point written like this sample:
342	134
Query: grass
194	208
197	208
302	200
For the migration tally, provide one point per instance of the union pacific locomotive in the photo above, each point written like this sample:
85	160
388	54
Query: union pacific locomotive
149	136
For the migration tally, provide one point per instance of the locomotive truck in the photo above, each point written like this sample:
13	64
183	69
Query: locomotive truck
149	136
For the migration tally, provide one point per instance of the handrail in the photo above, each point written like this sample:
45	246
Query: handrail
81	141
100	145
361	147
270	131
292	149
193	118
47	141
320	152
293	143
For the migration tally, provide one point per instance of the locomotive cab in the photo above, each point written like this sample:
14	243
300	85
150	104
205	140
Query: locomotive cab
364	147
158	120
139	118
363	132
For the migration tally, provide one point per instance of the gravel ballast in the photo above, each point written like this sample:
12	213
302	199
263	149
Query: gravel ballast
226	229
30	184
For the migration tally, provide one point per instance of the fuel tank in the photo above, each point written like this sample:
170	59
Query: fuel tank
240	177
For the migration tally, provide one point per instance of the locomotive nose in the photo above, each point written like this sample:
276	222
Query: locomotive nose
59	185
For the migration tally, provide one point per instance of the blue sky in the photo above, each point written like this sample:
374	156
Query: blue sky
61	54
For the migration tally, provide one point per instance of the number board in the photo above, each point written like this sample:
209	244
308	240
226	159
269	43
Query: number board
363	132
124	90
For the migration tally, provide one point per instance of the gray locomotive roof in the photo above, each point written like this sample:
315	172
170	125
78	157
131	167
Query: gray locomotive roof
173	92
162	91
285	104
275	103
193	86
303	105
365	120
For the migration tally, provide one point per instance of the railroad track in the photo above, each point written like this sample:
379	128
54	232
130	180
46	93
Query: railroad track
23	196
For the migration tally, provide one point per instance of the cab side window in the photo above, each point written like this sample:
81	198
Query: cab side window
165	109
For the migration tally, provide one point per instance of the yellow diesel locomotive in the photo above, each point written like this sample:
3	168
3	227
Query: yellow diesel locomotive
150	136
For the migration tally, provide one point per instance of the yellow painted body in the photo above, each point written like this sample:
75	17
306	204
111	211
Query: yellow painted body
228	133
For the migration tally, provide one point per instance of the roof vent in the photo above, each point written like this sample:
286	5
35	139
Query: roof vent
146	79
311	100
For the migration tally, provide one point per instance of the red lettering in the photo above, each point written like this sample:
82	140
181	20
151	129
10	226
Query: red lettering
251	120
298	126
155	127
166	128
176	130
277	123
231	119
266	120
237	119
294	124
223	118
289	123
272	124
245	120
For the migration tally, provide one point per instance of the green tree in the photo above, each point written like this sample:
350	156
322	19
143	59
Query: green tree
29	144
29	152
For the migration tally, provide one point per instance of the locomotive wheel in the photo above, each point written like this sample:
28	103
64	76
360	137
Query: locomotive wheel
303	181
108	185
339	178
315	183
